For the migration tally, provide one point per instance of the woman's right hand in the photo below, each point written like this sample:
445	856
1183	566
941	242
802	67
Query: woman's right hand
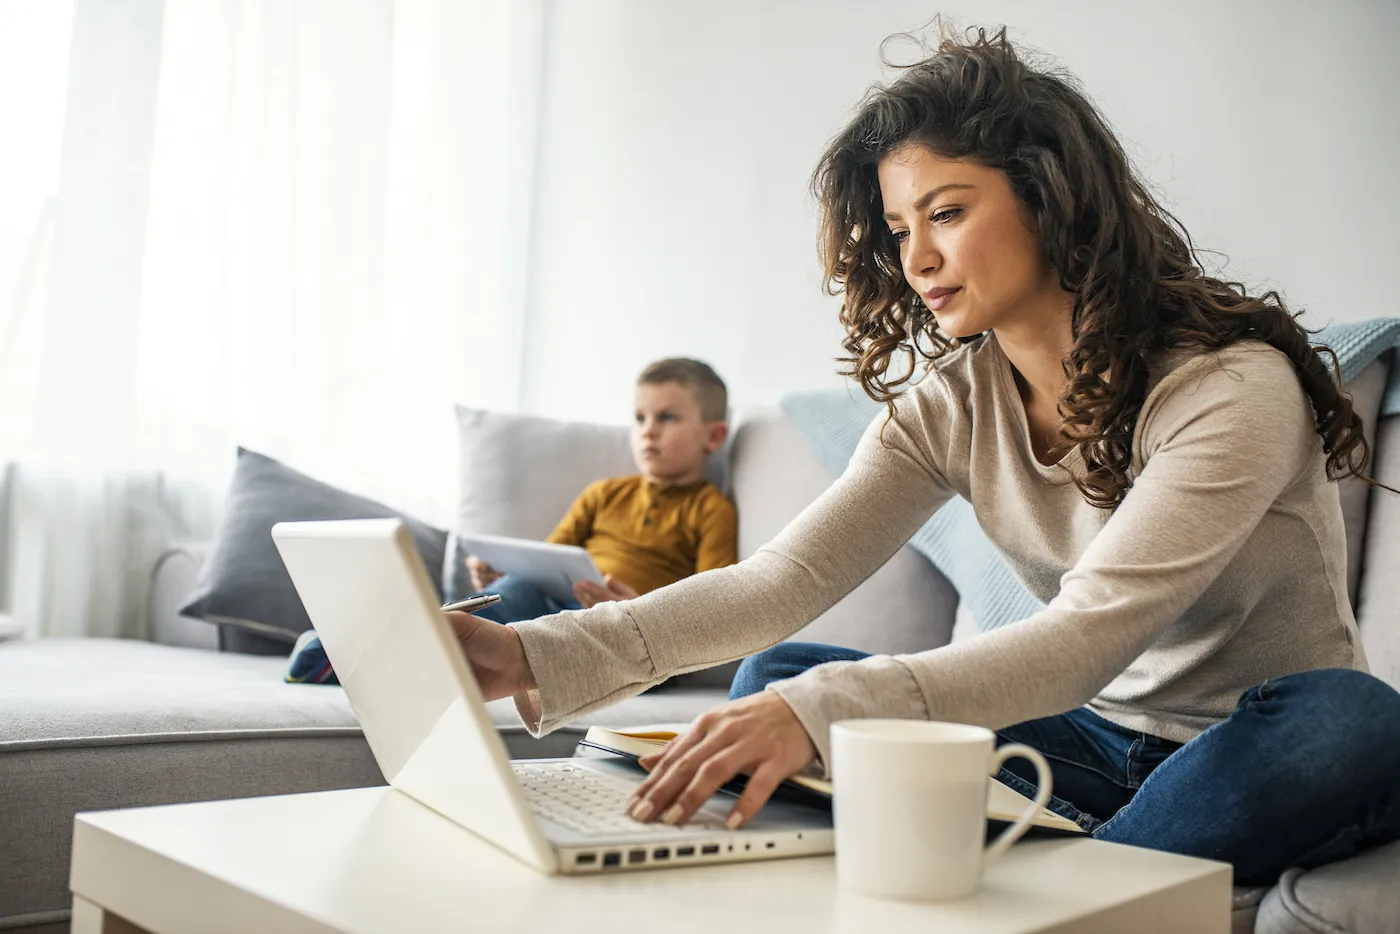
495	653
482	574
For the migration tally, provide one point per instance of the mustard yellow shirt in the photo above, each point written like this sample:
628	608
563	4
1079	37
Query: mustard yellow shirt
649	536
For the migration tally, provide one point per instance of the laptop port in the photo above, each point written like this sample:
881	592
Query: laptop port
709	849
661	853
637	856
612	859
685	851
769	845
585	859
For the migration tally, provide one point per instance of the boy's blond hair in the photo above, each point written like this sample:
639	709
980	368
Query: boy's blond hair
695	375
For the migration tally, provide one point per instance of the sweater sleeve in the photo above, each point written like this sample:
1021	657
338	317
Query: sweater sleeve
1221	441
586	659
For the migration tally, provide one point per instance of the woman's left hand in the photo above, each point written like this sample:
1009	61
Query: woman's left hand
758	735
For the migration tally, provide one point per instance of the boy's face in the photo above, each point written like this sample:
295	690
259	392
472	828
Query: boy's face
670	437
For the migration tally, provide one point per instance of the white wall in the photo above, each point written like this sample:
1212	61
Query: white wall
671	214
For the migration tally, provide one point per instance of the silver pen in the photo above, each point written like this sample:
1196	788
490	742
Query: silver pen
475	603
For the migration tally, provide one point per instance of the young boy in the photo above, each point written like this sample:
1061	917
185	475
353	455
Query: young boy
648	530
643	531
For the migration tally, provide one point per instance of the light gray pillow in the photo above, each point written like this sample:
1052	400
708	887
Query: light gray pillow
521	473
1378	605
244	587
1367	389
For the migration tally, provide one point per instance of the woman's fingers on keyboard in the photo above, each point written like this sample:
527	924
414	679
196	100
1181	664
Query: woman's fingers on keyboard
658	763
709	776
759	734
760	787
671	778
680	791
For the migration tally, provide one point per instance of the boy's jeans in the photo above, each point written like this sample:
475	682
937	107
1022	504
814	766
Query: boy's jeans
1304	771
521	600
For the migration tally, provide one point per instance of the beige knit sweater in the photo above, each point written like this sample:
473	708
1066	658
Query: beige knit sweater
1224	566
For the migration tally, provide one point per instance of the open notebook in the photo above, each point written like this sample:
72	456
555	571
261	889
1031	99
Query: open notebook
1003	804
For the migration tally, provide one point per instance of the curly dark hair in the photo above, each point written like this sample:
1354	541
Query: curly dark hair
1136	282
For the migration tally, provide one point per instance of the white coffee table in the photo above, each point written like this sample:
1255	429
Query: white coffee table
372	860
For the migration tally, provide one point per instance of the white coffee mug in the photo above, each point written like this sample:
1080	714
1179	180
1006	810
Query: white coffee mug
911	806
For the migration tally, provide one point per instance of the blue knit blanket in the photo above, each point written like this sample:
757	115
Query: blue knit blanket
833	421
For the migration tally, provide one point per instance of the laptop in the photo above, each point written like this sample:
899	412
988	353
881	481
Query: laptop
375	608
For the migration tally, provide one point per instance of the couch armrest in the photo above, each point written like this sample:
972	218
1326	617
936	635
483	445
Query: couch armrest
172	581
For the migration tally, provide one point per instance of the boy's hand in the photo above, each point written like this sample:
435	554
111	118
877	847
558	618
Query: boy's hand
495	654
482	574
589	594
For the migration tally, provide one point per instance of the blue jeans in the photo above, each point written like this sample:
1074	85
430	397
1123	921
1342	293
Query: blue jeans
1304	771
521	600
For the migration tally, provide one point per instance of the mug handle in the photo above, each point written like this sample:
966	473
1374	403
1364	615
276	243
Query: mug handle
1023	823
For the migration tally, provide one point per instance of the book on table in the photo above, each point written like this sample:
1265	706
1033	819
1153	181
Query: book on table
1004	804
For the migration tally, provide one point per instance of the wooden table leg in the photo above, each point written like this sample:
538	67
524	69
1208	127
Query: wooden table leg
93	919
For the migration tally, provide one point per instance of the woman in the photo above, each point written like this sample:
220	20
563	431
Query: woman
1150	448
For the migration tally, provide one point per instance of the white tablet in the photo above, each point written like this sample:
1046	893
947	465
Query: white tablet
552	568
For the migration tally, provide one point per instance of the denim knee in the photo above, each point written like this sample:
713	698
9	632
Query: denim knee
756	672
520	600
785	660
1334	692
1358	711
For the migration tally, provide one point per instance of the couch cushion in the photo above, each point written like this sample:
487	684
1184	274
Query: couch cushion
94	724
89	724
1378	598
1367	390
520	473
1355	896
905	606
173	579
244	586
65	691
58	693
1244	908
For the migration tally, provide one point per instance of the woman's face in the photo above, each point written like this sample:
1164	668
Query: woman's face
965	243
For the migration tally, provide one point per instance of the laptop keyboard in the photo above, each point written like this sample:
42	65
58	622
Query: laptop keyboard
590	803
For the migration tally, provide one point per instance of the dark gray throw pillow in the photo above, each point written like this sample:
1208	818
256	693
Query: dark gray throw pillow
243	587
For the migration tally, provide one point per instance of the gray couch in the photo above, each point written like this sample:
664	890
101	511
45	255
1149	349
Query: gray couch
91	724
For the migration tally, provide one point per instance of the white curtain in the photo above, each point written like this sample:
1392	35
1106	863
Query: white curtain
293	225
